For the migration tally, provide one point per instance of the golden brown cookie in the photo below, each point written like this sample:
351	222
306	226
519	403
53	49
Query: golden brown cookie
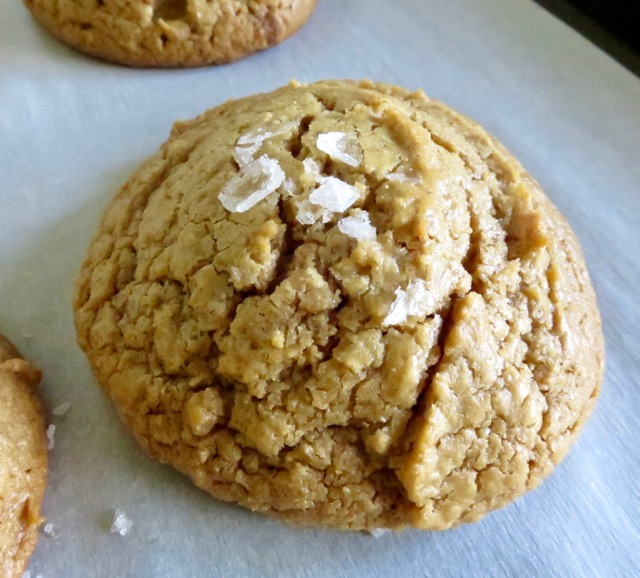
171	33
343	304
23	461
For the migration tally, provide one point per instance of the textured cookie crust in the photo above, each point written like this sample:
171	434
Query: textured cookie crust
428	372
23	461
171	33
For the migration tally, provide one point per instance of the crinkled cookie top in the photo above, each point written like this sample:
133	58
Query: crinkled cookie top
343	304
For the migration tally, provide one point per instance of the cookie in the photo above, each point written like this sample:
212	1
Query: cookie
343	304
23	461
171	33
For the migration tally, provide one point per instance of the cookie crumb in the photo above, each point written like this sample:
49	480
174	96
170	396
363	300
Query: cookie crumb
335	195
121	523
51	530
62	409
51	436
252	184
358	226
341	146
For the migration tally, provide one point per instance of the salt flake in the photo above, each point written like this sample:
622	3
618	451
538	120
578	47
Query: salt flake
51	530
252	184
398	312
121	523
244	155
341	146
416	300
289	187
420	301
404	176
51	436
61	409
308	213
312	168
264	133
334	194
250	143
379	532
358	226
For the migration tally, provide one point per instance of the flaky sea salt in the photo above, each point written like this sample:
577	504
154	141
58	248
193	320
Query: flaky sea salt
416	300
61	409
121	524
51	436
308	213
252	184
358	226
404	176
420	301
334	195
312	168
244	155
249	144
379	532
398	312
51	530
341	146
289	187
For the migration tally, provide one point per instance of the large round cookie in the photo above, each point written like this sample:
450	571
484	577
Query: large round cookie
343	304
166	33
23	461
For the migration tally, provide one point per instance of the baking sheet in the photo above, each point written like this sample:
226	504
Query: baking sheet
73	128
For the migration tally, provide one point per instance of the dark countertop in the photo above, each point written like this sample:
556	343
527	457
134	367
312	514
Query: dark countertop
612	25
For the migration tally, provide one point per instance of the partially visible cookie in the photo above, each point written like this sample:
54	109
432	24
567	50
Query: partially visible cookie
171	33
23	460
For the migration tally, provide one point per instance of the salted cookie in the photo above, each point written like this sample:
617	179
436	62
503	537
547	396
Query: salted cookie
23	461
171	33
343	304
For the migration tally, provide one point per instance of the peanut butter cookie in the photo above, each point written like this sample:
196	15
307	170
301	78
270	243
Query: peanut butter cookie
23	461
171	33
343	304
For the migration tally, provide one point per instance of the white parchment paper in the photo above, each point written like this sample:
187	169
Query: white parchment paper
73	128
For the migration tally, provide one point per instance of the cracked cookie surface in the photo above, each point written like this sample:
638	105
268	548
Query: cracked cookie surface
23	461
343	304
171	33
